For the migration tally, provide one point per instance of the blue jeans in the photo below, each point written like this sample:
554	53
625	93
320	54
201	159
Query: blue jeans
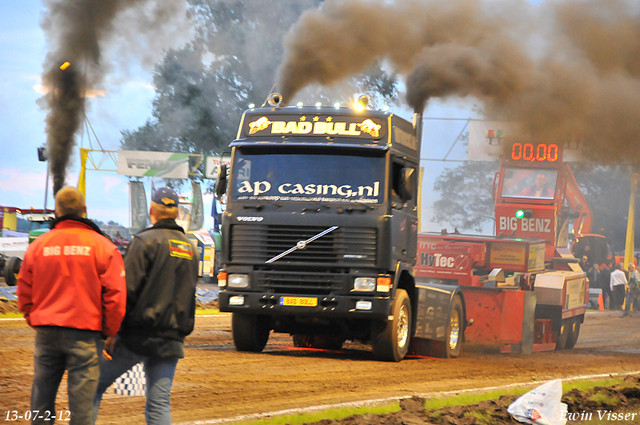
159	373
56	350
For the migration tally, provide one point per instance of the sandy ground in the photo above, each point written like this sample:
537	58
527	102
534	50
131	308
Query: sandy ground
215	381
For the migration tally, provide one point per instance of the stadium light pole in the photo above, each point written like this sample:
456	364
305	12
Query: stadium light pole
42	157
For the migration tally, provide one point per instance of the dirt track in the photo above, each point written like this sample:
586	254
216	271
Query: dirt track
215	381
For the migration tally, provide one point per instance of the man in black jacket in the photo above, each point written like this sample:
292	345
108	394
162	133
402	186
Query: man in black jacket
162	271
603	281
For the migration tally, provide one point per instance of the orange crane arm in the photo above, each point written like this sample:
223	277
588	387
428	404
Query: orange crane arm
575	199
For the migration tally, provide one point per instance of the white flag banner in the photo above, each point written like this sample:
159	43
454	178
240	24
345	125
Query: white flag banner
153	164
197	208
138	203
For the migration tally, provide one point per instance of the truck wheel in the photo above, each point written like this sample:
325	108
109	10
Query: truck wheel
390	339
563	334
452	345
11	271
250	332
574	332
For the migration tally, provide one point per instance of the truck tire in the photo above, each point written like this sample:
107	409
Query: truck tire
563	334
452	345
11	271
250	332
390	339
574	333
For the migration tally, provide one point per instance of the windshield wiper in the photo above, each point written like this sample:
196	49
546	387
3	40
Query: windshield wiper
301	244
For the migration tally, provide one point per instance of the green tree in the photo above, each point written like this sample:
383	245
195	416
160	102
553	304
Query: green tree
466	201
607	189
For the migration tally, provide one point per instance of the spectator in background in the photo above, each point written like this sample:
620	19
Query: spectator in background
632	289
72	291
162	272
584	263
603	281
618	284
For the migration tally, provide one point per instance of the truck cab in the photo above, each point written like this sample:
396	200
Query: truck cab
319	236
535	196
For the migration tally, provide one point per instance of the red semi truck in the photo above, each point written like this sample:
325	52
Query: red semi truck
521	289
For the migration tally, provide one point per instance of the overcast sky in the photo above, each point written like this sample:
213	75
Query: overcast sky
126	106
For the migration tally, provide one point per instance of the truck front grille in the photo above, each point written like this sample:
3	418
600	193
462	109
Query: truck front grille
255	244
300	282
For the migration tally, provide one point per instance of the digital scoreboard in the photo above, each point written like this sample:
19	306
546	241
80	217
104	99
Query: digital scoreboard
534	152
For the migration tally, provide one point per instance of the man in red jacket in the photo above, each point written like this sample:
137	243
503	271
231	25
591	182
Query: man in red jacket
72	291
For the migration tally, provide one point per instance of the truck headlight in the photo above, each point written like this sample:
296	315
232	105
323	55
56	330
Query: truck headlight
238	280
236	300
364	305
364	284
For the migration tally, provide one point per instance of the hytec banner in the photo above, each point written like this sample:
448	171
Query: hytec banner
138	202
211	165
153	164
486	141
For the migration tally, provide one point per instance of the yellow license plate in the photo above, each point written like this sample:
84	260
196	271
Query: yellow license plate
299	301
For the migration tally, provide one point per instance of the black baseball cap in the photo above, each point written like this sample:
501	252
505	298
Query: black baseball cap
165	196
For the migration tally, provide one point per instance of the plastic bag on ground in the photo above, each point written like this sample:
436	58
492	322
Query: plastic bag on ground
541	406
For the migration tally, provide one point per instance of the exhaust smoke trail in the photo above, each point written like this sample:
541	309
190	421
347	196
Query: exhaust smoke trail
78	32
564	70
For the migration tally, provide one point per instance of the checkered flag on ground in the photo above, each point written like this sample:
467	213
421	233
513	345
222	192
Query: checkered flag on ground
133	382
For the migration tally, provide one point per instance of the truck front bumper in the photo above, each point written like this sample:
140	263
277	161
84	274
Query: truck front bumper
331	306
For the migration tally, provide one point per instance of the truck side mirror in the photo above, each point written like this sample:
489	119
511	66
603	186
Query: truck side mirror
406	184
221	183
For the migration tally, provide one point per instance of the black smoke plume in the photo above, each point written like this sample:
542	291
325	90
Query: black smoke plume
78	31
564	70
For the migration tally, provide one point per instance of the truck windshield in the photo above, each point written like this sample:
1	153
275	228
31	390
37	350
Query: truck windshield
529	183
308	178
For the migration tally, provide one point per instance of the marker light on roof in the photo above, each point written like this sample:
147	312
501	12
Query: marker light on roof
300	104
336	105
252	105
318	104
